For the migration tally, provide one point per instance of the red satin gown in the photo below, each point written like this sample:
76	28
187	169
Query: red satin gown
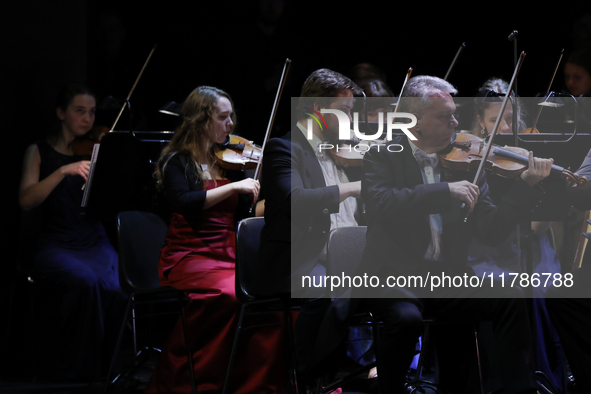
199	257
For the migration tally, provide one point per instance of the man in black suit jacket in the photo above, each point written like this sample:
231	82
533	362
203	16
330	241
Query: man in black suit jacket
415	228
306	195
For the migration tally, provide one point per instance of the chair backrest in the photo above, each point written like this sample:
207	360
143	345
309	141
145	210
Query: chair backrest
28	232
345	250
140	236
248	239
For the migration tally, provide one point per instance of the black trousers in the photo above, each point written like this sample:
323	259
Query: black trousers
506	308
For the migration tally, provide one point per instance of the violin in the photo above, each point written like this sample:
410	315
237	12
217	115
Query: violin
83	146
467	151
237	153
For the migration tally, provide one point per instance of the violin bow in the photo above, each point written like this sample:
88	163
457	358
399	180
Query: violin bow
533	127
133	87
408	73
453	62
406	78
271	120
95	150
496	126
273	113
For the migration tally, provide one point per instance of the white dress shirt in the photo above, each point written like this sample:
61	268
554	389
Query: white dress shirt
333	175
429	165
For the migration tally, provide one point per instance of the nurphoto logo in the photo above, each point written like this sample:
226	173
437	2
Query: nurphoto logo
345	127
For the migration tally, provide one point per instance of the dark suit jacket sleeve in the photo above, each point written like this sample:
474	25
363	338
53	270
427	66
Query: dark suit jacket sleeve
495	222
295	228
386	188
393	191
285	172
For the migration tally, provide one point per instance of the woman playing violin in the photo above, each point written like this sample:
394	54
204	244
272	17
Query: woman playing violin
506	257
72	253
488	105
199	254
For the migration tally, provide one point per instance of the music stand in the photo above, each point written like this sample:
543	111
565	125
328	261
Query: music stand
117	177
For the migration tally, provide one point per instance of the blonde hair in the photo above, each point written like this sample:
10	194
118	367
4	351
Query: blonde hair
197	115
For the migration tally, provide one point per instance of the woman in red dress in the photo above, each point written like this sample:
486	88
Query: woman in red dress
198	256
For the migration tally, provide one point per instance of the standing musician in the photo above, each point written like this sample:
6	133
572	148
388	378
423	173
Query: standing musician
307	195
71	252
199	253
415	228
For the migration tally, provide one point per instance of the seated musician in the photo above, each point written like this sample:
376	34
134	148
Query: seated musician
198	256
71	252
306	195
508	257
416	228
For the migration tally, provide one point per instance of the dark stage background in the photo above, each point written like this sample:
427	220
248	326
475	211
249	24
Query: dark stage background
241	47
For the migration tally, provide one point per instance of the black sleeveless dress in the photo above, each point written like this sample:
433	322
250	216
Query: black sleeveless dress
76	255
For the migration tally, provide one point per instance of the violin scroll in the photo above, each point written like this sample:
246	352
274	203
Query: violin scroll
574	179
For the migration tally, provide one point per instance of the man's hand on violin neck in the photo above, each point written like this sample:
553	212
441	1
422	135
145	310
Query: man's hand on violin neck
537	169
464	191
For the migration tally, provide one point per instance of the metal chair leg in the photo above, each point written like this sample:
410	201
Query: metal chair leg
424	340
234	347
117	345
189	353
478	361
292	350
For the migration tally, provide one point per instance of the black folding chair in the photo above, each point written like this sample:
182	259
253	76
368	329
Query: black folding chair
247	281
140	237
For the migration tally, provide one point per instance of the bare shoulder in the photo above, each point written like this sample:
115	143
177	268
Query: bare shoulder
32	151
32	155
